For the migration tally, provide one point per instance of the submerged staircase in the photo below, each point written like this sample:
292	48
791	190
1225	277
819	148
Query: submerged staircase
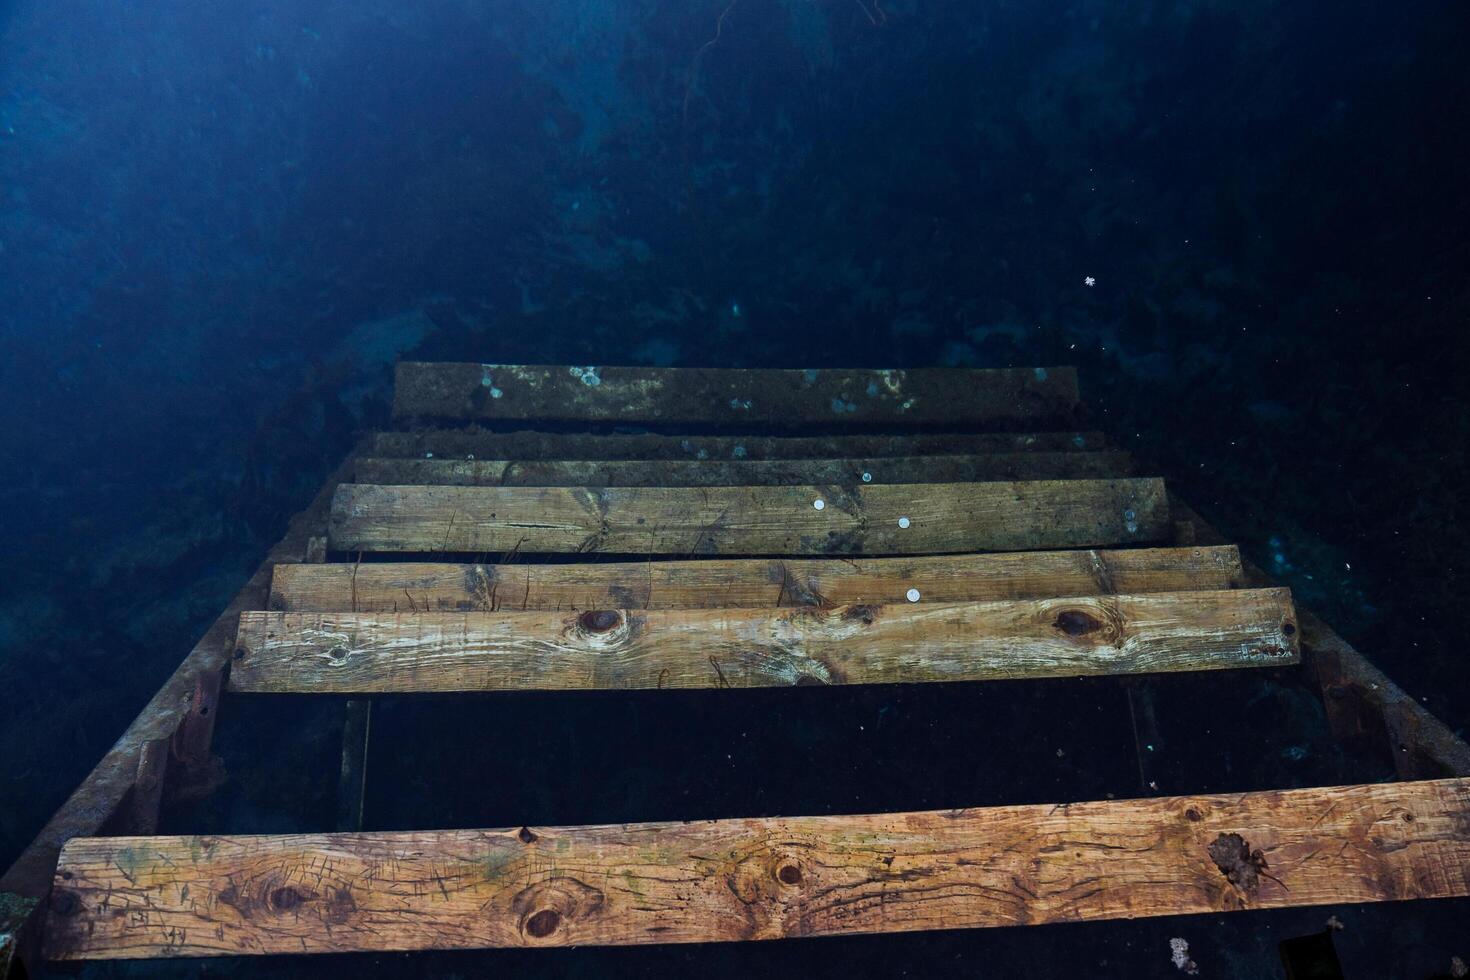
940	526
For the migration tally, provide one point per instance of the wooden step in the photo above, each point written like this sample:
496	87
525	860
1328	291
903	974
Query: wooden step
762	878
733	583
1004	398
529	444
359	653
725	472
872	519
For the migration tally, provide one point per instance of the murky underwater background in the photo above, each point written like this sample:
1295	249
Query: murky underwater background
220	224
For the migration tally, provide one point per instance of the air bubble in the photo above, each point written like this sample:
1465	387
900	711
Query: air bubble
867	477
819	503
903	522
913	595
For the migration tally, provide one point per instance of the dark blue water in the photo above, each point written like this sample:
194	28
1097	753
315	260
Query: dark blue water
220	224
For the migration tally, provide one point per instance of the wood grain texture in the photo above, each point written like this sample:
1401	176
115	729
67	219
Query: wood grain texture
1006	397
752	879
735	583
744	472
829	519
530	444
362	653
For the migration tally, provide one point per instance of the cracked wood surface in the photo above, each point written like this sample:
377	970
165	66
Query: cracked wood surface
746	472
827	519
1004	397
750	879
530	444
734	583
361	653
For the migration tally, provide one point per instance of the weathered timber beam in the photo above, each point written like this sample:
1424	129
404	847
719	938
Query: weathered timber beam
741	582
1354	690
725	472
888	519
18	914
482	443
366	653
115	779
1004	398
767	878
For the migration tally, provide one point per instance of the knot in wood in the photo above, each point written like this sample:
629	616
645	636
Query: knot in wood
1077	622
543	923
1240	865
284	899
599	620
64	902
546	907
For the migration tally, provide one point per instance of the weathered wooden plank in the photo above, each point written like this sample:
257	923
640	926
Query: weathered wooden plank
887	519
1421	745
476	442
100	795
766	878
1006	397
746	472
363	653
735	583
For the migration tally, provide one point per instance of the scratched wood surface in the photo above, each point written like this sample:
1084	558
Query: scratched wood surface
753	879
813	520
484	443
733	583
358	653
1007	397
743	472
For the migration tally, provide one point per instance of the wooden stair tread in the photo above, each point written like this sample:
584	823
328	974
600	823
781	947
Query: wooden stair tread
869	519
759	878
953	468
379	653
533	444
733	583
1003	397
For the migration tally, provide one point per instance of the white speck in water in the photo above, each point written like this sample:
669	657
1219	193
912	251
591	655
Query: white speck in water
496	392
1079	441
912	595
867	477
1041	374
428	455
738	452
470	456
903	522
819	503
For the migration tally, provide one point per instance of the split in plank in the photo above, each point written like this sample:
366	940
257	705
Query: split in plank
609	649
1003	397
765	878
889	519
723	472
475	442
734	583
